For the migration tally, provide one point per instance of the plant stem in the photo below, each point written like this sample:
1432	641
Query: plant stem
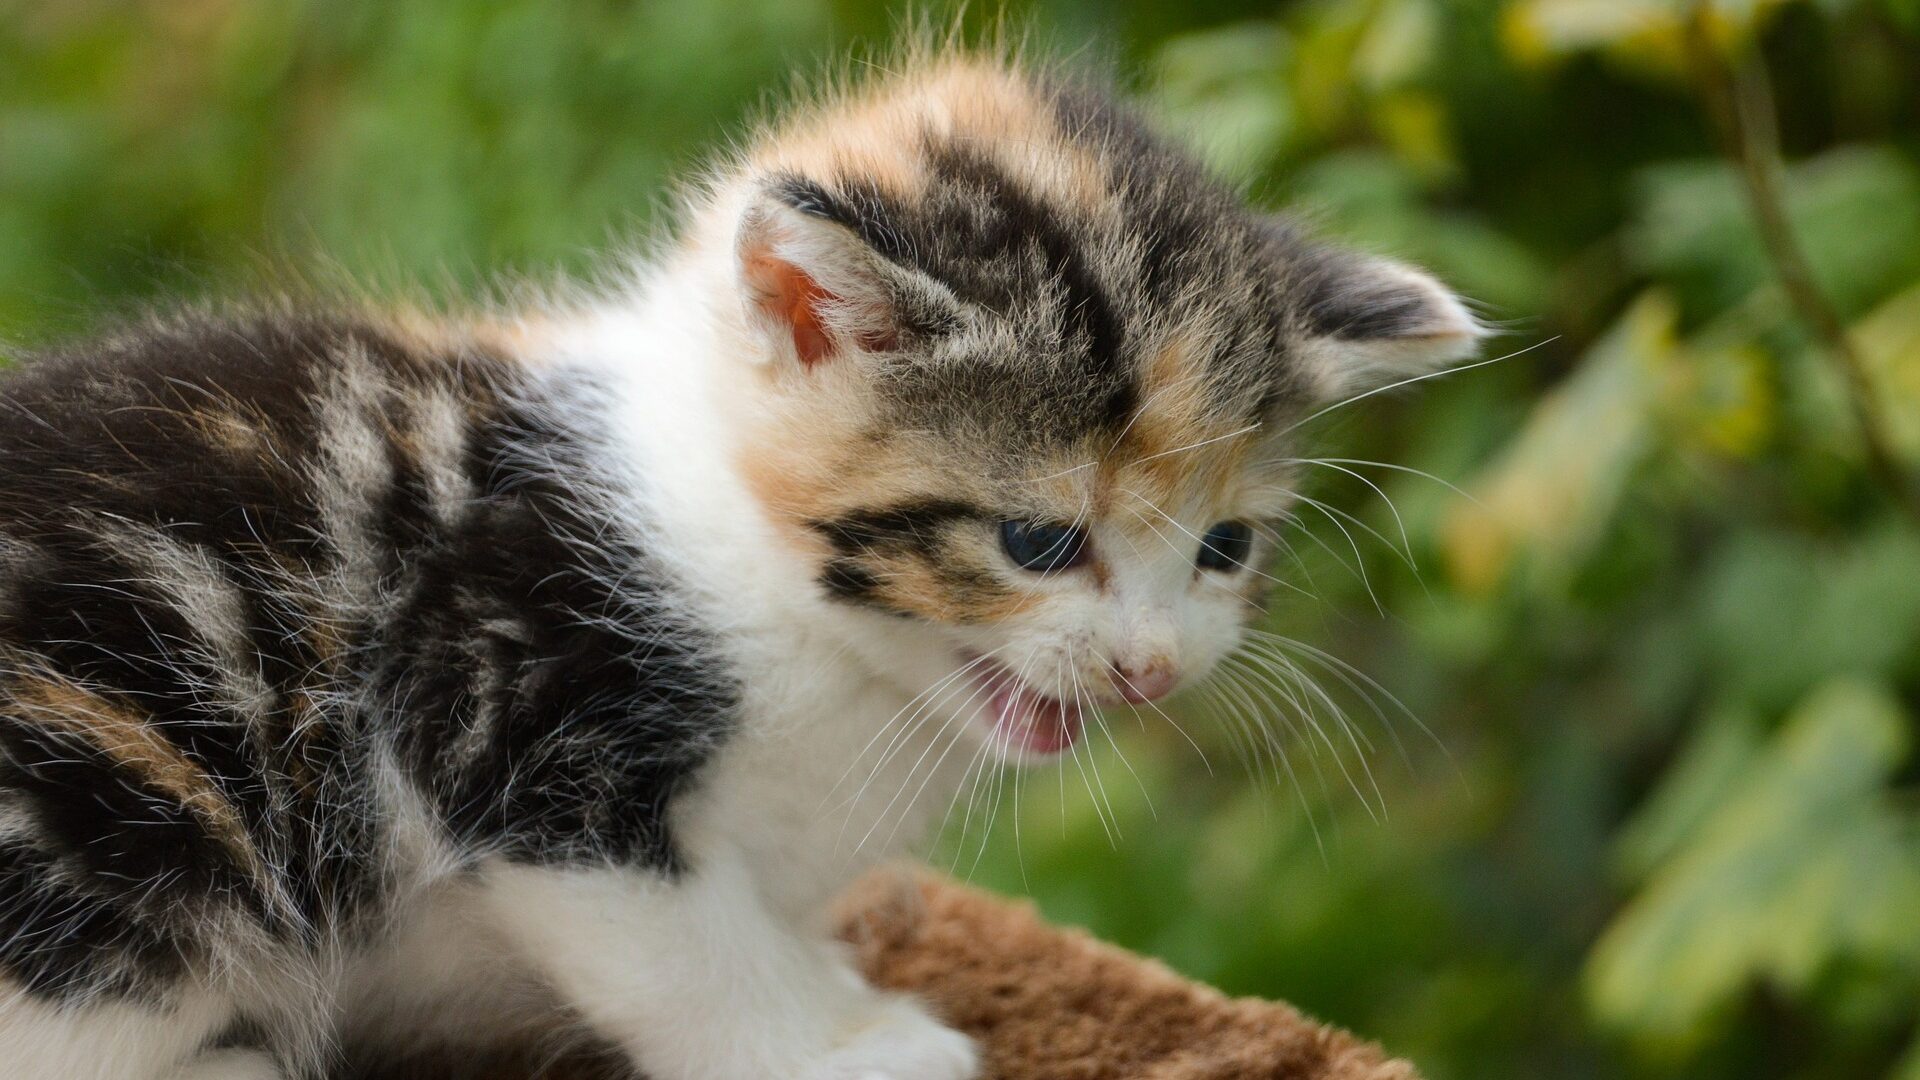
1741	101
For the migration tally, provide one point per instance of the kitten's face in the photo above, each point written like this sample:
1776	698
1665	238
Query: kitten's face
1026	384
1111	568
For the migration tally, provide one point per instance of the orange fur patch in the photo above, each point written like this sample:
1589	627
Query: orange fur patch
875	131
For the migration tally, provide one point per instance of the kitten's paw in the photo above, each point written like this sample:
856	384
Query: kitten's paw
230	1065
900	1041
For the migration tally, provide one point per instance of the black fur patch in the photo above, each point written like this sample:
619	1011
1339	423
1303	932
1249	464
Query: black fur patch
1339	295
542	625
858	205
919	529
236	536
902	525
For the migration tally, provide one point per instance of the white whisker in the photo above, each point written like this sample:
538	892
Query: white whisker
1455	370
1255	426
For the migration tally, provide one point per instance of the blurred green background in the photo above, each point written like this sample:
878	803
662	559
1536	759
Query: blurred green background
1651	809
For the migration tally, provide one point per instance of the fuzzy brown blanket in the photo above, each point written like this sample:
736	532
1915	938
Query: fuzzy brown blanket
1054	1004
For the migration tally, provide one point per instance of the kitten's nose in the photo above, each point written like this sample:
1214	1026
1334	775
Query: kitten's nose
1150	681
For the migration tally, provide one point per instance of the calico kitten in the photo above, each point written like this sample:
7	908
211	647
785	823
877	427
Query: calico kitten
376	683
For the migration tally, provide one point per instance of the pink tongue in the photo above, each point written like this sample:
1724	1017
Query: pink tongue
1039	724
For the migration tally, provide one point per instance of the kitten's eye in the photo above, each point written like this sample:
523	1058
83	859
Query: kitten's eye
1226	546
1041	547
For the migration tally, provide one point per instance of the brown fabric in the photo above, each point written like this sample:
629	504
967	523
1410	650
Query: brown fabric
1048	1003
1054	1004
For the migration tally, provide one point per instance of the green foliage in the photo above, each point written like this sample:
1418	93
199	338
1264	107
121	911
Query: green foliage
1657	814
1785	861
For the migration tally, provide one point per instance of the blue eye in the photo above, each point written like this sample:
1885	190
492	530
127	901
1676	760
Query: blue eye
1041	547
1226	546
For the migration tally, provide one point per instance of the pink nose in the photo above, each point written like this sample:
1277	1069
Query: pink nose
1152	681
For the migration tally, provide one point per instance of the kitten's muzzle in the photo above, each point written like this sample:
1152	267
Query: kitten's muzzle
1141	683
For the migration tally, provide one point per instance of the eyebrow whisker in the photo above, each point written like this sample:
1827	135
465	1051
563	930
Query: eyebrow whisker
1255	426
1456	369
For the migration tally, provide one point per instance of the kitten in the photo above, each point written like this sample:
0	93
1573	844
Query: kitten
381	683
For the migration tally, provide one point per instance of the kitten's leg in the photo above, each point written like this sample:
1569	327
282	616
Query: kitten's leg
112	1040
444	980
229	1065
695	978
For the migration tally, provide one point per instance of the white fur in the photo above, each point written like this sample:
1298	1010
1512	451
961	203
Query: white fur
124	1041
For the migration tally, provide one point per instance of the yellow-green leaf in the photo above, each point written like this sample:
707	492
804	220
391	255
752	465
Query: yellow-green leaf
1888	340
1547	498
1805	862
1645	34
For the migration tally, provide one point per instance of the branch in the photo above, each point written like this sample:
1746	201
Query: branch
1742	105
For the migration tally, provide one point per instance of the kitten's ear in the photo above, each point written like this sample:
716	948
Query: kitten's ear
1372	321
811	284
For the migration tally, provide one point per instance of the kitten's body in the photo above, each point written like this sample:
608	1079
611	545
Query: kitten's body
367	685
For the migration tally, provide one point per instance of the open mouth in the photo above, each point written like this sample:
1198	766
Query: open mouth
1023	719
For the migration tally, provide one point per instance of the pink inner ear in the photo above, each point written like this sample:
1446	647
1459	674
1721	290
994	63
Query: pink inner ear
797	301
790	295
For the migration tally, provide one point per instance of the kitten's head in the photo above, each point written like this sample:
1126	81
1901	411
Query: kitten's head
1025	383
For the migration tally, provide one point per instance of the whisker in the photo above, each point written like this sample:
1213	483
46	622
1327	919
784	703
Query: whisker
1019	676
1281	542
1255	426
1241	708
914	769
1341	669
1073	748
933	689
1347	679
969	788
1099	716
1359	561
1300	523
1284	761
1455	370
1196	538
1307	711
993	814
1019	856
1169	719
1406	542
1332	511
903	737
1448	484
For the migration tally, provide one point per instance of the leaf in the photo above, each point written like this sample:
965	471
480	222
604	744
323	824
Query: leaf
1645	34
1804	863
1397	45
1888	340
1548	497
1724	400
1225	90
1855	211
1720	756
1780	614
